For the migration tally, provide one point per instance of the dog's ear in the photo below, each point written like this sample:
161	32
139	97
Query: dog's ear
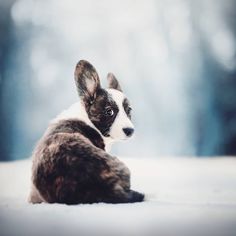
87	81
113	82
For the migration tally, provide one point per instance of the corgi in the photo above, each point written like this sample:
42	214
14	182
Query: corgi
71	163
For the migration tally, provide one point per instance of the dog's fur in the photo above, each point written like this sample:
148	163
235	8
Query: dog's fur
70	164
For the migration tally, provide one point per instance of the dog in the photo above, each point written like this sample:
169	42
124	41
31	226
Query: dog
70	162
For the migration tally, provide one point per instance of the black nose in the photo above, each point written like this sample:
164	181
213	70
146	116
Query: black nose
128	131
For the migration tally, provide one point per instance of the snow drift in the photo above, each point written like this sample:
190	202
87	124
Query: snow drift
185	196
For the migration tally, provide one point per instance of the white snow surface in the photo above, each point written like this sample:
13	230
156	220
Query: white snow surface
185	196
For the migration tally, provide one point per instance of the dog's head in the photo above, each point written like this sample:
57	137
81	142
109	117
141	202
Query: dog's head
108	109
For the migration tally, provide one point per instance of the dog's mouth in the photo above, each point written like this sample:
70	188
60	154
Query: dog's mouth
126	138
106	133
119	139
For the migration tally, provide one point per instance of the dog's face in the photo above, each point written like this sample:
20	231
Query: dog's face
108	109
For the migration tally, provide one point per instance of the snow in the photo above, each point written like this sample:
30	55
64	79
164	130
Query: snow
185	196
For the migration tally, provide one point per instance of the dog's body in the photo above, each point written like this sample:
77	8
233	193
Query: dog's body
70	162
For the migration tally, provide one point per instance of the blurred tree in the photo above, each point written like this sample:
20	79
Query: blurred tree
179	55
5	104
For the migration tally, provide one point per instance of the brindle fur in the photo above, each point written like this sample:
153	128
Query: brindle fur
70	165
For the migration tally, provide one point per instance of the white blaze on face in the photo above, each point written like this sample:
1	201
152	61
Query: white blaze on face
122	120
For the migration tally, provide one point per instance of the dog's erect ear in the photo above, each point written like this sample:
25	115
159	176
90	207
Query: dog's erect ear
87	81
113	82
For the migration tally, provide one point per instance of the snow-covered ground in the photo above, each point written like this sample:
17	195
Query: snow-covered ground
186	196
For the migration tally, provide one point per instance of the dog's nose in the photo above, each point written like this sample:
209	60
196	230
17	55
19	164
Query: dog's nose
128	131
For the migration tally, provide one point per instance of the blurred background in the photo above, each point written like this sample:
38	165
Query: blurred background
175	59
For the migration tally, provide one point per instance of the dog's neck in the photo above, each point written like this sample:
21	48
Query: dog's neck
77	111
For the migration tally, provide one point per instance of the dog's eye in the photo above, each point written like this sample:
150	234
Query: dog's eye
109	112
129	110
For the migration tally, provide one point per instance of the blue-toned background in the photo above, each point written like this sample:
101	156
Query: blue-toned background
174	59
